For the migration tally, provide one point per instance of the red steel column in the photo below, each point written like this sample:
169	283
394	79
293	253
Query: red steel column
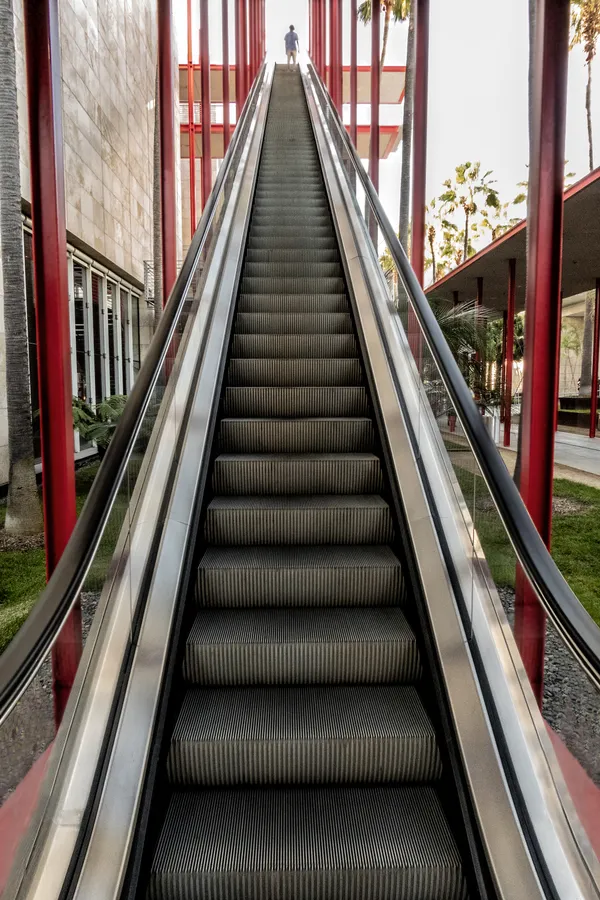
455	298
205	82
353	71
417	244
252	39
594	394
375	95
502	364
42	46
323	41
335	52
246	56
191	130
225	29
544	270
240	56
510	348
167	147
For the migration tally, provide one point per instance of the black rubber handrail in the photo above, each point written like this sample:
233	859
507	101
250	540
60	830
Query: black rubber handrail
27	650
574	624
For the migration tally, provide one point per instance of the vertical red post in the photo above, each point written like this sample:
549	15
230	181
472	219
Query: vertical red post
167	147
44	92
510	348
503	365
191	129
595	350
245	49
205	83
263	33
323	41
252	39
419	174
454	298
240	56
544	270
375	94
225	29
353	71
335	52
332	62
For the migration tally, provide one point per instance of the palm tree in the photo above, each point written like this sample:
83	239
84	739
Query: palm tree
585	22
23	512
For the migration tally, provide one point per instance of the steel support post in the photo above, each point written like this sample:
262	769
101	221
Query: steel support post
225	29
503	365
335	53
240	57
510	348
375	94
205	107
191	129
595	351
455	300
323	41
419	148
44	92
167	147
544	269
354	71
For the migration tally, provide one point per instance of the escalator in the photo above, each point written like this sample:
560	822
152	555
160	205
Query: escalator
303	761
300	681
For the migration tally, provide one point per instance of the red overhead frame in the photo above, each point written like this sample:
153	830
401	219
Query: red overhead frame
240	56
205	107
166	104
542	305
419	146
335	53
42	47
508	355
353	70
375	94
190	84
595	351
225	29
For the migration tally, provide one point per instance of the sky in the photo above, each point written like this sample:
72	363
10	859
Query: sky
477	87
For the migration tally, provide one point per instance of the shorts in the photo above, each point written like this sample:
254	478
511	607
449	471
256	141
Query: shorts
292	54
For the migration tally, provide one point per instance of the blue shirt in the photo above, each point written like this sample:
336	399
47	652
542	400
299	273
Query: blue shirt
291	41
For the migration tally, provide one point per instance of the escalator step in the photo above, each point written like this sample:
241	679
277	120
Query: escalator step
287	473
298	519
329	645
282	284
299	576
384	843
227	736
292	240
296	435
294	346
293	269
293	256
290	402
263	372
289	219
293	323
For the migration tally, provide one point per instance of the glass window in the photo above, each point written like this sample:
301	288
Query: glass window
111	296
125	342
97	320
135	333
81	355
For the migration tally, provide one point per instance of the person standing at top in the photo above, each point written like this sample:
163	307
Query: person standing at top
292	45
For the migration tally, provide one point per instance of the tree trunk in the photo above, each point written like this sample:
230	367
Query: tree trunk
23	510
156	211
386	34
407	130
466	241
588	109
585	384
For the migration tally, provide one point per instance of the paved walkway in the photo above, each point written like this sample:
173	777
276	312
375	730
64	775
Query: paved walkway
571	451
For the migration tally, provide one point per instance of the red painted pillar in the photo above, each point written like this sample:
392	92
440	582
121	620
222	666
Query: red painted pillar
335	52
323	9
594	394
417	244
510	348
205	82
253	39
544	269
225	29
240	56
353	71
375	94
42	47
167	147
191	129
454	298
503	364
245	49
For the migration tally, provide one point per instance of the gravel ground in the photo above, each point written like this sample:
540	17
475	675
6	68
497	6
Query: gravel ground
571	704
30	727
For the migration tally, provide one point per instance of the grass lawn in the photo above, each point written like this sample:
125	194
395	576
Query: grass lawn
23	572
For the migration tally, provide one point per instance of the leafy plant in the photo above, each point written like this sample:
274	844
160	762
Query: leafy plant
98	423
585	24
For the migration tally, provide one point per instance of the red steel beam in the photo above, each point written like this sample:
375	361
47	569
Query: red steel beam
353	70
240	56
205	83
323	41
225	29
335	52
167	147
503	363
246	58
44	92
419	174
510	347
595	350
190	81
542	305
375	94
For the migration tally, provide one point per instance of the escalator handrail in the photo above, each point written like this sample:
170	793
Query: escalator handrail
24	655
574	624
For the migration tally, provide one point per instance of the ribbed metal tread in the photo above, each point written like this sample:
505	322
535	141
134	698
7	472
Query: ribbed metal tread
305	735
298	519
328	645
328	843
293	256
293	240
323	575
290	473
294	346
282	284
294	372
293	323
279	233
291	402
289	268
328	435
